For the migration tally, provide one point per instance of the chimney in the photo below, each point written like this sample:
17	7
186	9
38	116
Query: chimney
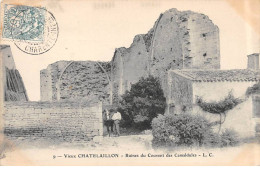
253	61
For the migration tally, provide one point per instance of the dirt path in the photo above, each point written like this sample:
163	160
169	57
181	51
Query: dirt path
130	142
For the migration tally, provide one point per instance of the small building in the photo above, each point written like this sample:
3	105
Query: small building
184	86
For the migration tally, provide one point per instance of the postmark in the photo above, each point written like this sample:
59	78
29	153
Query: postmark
33	30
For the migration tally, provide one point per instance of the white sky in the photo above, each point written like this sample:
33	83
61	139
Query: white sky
91	30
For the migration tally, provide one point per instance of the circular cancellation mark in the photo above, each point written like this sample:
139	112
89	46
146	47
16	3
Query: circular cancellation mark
36	41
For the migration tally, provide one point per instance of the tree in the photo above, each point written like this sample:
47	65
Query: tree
142	103
221	107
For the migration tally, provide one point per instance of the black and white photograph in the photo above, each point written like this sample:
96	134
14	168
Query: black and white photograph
130	83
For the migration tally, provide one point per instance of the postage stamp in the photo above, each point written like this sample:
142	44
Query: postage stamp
33	30
24	23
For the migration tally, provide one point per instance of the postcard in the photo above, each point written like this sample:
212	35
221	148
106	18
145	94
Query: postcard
127	83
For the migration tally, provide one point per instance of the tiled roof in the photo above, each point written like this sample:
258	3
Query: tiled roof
219	75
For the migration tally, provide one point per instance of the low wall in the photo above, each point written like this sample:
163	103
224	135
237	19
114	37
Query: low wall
61	121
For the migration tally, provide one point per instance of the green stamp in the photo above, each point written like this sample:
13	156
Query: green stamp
24	23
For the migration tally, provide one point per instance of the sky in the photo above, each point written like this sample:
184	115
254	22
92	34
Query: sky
92	30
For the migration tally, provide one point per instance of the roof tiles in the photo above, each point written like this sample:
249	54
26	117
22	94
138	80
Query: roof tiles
219	75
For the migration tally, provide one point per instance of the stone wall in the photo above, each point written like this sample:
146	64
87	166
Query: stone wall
76	80
57	121
14	89
128	65
178	40
179	93
45	88
49	78
203	45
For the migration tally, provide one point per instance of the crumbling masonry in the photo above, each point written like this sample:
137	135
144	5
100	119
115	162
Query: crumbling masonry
178	40
14	89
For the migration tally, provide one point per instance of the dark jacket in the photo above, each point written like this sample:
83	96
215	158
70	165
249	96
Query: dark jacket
108	121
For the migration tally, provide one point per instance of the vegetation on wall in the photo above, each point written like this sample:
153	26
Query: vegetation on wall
142	103
219	107
255	89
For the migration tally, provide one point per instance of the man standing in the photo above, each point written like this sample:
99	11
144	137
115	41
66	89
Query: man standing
108	121
117	117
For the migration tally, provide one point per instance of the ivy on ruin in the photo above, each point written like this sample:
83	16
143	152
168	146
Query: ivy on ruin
219	107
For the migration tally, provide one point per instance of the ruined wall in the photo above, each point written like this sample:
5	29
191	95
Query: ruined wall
203	46
53	121
124	71
180	93
45	82
49	77
117	74
85	80
76	80
14	89
178	40
166	50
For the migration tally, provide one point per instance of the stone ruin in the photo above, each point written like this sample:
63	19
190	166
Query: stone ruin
178	40
14	89
76	80
53	122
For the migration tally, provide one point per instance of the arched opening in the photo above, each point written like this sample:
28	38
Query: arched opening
60	83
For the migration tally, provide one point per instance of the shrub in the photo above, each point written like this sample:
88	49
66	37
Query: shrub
142	103
182	130
212	140
229	138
